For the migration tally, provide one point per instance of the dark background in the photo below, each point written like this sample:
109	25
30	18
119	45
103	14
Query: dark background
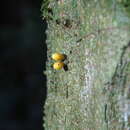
22	61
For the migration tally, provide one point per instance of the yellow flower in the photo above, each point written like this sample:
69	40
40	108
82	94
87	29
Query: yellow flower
58	57
58	65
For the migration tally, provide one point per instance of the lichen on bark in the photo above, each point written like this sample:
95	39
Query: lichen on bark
94	35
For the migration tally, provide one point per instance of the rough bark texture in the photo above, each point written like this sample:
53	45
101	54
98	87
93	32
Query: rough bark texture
93	94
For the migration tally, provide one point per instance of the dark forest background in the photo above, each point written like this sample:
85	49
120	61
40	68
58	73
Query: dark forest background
22	61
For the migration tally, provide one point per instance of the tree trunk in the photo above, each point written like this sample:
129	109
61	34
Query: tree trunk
93	93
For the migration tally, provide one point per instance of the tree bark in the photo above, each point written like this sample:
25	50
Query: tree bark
93	93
